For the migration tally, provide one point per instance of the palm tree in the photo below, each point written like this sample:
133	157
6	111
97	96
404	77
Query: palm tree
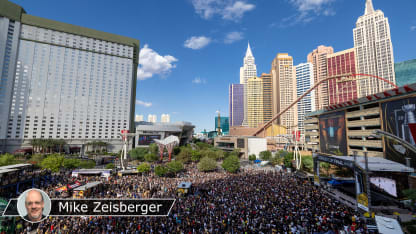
35	143
61	143
50	143
42	143
94	145
105	144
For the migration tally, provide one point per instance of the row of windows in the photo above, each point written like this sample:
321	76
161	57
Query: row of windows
79	42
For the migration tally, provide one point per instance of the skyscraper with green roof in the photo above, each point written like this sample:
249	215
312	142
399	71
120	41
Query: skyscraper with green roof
405	72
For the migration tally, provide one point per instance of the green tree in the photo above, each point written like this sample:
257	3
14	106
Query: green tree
185	155
71	163
138	153
7	159
175	166
60	143
287	160
110	166
35	145
276	160
87	164
213	153
153	148
52	162
143	168
307	163
36	159
411	194
266	155
203	145
231	164
235	152
207	164
176	150
326	166
252	157
161	170
195	155
151	157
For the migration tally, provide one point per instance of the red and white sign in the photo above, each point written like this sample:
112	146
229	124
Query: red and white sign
412	127
124	134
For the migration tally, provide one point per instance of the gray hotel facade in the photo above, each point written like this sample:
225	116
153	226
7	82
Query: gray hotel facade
63	81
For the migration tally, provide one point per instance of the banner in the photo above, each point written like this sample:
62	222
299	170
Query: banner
102	207
361	189
362	200
399	118
332	134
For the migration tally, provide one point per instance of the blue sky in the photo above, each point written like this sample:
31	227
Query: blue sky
193	49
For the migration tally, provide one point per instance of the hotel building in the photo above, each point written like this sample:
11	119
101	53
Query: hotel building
374	51
63	81
343	87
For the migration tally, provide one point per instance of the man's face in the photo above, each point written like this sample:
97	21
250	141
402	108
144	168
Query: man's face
34	205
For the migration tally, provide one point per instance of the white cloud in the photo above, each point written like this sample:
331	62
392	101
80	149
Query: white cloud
236	11
227	9
233	37
413	28
308	10
143	103
197	43
151	63
198	80
310	5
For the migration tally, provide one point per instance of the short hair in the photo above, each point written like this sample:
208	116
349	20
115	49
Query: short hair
27	194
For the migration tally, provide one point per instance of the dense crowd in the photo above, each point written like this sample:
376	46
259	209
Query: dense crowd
251	201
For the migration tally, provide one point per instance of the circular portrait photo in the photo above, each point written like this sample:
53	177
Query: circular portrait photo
34	205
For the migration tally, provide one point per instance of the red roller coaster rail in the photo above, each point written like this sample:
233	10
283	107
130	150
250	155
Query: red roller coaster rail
263	128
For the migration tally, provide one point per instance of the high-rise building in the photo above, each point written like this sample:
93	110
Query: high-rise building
236	104
254	102
318	58
405	72
247	71
374	51
284	89
139	118
224	124
165	118
267	97
152	118
304	81
341	65
63	81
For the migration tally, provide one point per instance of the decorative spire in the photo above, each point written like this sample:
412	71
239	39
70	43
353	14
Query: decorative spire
369	7
248	52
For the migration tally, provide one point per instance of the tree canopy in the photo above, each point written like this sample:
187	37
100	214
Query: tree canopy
207	164
231	164
143	168
266	155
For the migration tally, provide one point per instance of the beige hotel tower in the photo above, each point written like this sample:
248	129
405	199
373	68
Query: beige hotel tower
254	102
284	87
318	58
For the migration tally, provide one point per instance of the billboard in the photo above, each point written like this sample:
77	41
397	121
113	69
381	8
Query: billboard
398	117
386	184
147	139
332	134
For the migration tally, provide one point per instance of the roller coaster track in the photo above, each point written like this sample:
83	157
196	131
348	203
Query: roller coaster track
264	127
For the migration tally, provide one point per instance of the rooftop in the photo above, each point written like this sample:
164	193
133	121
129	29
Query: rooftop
17	13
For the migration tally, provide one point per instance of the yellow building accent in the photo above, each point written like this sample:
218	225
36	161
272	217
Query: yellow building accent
275	129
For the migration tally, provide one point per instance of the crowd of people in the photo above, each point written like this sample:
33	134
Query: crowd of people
251	201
